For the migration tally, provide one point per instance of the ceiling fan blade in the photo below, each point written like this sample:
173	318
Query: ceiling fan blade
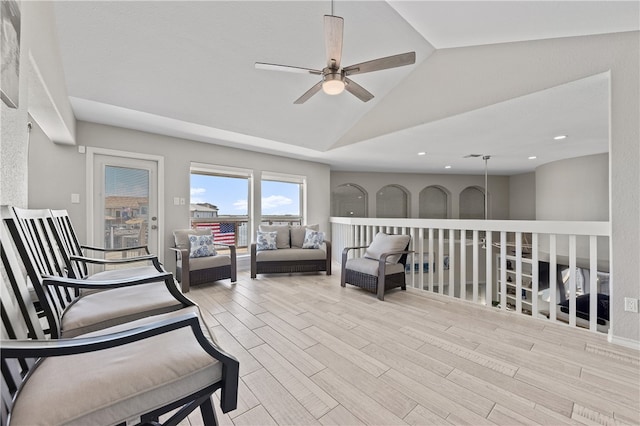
382	63
287	68
309	93
333	28
357	90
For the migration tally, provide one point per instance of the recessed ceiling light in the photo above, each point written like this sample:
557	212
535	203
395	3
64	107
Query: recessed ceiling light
447	167
422	153
533	157
559	137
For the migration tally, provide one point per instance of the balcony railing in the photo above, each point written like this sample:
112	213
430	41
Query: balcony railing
235	229
521	266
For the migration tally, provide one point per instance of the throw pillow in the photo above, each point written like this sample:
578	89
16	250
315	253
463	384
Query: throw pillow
282	241
312	239
266	241
298	232
201	246
383	243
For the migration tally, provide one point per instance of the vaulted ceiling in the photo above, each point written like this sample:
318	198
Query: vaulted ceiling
186	69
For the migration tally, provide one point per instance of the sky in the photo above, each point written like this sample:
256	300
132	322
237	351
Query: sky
230	195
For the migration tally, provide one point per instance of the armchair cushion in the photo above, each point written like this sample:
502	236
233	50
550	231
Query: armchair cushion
218	260
298	233
312	239
201	246
282	239
370	266
266	241
383	243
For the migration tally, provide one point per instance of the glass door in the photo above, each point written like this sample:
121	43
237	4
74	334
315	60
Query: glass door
125	203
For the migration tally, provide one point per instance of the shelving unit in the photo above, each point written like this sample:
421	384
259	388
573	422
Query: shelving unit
518	297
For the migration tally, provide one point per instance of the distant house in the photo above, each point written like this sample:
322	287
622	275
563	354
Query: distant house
203	211
125	208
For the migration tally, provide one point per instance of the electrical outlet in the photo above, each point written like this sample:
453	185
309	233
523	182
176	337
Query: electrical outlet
630	304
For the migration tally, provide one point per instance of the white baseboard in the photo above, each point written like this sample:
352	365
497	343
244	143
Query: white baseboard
623	341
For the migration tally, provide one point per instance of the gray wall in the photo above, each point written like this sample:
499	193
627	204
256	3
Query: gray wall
522	197
414	183
53	182
573	189
42	94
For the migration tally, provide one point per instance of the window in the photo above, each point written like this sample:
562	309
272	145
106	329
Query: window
392	201
434	203
349	200
472	203
220	200
282	198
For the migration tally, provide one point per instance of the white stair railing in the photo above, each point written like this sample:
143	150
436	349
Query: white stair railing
523	266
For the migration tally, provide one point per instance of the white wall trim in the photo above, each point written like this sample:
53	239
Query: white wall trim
542	226
91	153
623	341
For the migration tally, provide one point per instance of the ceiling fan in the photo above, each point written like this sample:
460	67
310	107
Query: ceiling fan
334	77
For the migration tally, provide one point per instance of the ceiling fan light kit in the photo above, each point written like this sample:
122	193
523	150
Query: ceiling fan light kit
332	83
334	78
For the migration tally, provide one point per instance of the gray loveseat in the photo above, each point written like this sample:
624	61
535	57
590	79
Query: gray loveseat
289	255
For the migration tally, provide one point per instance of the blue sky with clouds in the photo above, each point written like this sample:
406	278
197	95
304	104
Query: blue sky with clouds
231	194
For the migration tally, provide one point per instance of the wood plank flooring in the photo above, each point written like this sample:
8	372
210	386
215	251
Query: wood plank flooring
312	352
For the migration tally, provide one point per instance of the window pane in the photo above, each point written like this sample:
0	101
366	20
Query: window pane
281	199
227	194
472	203
126	206
349	200
391	201
219	203
433	203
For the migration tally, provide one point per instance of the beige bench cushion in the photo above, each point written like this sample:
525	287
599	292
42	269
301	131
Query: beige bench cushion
281	255
98	310
198	263
113	385
370	267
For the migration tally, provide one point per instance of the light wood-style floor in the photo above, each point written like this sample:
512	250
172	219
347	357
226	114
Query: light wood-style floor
312	352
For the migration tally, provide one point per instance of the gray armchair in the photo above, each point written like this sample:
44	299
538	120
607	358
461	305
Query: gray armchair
382	266
198	270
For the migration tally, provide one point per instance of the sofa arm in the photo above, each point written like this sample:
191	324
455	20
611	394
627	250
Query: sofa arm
328	249
254	265
233	256
345	254
182	261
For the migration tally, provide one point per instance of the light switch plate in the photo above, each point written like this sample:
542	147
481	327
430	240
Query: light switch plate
630	304
75	198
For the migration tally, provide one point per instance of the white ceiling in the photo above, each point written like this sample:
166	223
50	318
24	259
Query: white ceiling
186	69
